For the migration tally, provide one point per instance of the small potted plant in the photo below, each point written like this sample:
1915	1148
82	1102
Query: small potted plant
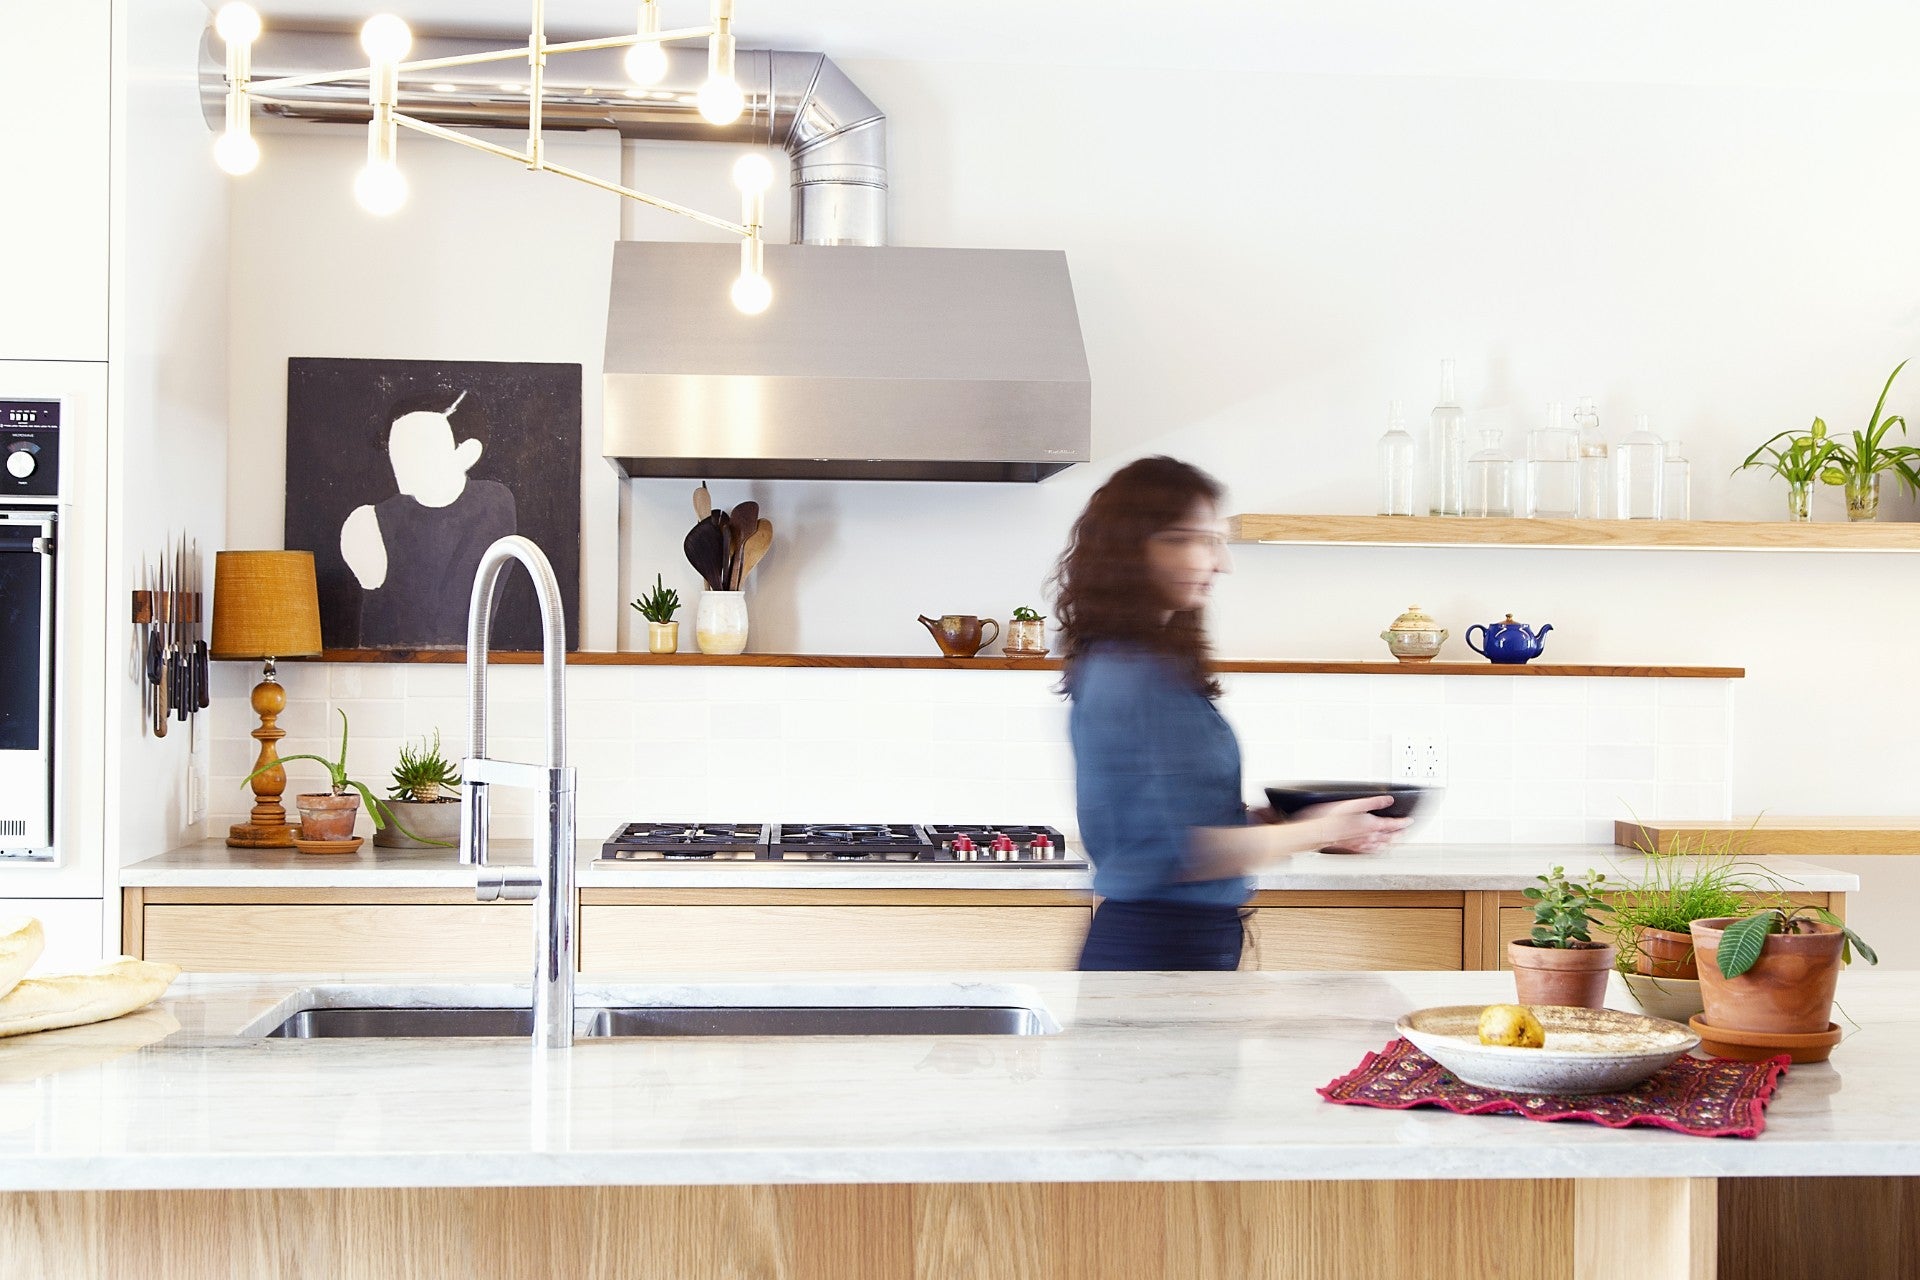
1694	879
330	815
1799	461
1561	963
424	797
1857	462
1026	634
1774	972
658	607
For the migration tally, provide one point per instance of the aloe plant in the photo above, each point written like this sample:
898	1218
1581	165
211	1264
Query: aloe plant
340	781
1742	941
423	773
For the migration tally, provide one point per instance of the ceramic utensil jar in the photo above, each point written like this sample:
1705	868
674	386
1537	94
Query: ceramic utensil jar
720	624
1414	636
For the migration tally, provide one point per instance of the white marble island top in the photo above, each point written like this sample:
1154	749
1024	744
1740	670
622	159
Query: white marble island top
1152	1077
1455	867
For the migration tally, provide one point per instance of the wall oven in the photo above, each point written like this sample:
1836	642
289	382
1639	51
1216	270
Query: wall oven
29	495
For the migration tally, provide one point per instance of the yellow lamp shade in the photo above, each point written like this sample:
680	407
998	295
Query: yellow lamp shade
265	605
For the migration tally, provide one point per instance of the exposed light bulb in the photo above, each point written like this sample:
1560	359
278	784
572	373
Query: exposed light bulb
380	188
237	23
385	38
236	152
752	173
721	101
751	293
647	63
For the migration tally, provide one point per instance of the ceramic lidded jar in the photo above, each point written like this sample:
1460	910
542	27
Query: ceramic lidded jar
1414	636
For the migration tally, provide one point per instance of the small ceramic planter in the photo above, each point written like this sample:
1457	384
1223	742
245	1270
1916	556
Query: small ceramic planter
1789	989
435	822
1575	976
1026	637
325	816
720	624
663	637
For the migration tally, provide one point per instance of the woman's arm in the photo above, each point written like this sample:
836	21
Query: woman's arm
1218	853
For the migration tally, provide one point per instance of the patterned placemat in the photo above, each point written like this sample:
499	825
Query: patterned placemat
1706	1097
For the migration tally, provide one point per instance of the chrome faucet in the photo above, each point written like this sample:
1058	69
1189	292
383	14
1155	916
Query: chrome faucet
551	893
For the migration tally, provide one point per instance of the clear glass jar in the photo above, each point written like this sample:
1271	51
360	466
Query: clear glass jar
1638	471
1676	484
1490	477
1596	469
1553	469
1447	450
1399	466
1799	502
1863	497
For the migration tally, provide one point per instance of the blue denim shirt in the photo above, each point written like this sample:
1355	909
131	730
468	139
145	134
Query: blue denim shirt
1153	759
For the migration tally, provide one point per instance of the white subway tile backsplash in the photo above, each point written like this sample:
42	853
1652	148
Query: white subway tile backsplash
1620	726
1552	831
1620	762
1554	759
1692	802
365	680
1481	691
1695	693
1620	692
1470	724
1550	691
1707	726
1563	800
1691	766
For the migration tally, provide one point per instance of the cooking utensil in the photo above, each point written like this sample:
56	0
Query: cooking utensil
756	547
706	551
702	501
1289	798
1587	1050
202	673
745	520
162	602
183	667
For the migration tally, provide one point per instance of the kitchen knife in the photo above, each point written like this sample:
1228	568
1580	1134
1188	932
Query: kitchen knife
161	602
202	675
182	674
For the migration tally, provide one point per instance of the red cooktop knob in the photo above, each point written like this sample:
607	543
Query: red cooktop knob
1002	842
963	843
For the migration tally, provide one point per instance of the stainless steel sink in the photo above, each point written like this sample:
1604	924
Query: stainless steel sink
668	1020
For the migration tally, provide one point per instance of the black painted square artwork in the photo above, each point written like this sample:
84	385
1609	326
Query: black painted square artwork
401	473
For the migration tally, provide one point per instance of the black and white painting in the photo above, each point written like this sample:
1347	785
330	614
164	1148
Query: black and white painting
400	474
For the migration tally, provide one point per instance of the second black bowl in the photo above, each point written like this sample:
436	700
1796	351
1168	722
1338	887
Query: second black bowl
1289	798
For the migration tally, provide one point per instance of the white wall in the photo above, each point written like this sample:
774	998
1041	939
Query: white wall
1261	261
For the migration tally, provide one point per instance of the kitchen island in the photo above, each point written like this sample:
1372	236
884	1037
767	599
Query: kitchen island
1168	1127
209	908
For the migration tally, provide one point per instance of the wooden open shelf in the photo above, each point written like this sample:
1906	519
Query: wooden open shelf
858	661
1797	837
1652	535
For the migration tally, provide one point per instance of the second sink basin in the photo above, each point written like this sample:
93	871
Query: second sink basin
392	1022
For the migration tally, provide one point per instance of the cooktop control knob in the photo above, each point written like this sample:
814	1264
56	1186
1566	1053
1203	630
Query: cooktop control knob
1002	847
21	462
1042	847
964	849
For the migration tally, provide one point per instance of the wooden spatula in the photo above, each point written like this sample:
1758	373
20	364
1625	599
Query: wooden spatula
702	501
756	547
706	550
746	519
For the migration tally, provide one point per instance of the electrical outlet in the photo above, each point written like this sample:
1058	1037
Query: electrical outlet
1420	757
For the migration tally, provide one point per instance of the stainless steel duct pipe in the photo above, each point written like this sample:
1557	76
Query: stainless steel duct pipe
800	102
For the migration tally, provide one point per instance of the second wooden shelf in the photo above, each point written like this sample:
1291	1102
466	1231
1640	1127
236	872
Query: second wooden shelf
1649	535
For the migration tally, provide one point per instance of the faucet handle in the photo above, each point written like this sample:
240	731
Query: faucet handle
475	821
507	884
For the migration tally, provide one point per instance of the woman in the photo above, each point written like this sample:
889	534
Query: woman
1157	766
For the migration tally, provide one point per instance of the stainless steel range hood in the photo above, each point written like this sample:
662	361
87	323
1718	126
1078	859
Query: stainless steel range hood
873	363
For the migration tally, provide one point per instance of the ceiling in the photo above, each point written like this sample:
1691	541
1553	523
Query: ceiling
1851	44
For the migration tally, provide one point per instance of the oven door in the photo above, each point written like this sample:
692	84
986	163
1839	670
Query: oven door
26	685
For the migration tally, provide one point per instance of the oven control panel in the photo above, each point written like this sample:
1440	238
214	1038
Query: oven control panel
29	449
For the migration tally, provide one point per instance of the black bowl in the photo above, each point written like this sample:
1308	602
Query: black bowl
1291	797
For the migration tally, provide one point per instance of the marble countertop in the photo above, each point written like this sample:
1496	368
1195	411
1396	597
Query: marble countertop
1455	867
1152	1077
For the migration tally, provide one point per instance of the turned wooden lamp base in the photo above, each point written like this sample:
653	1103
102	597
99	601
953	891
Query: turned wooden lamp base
267	826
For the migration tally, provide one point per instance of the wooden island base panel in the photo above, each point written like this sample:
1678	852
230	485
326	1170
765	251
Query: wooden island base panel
1598	1229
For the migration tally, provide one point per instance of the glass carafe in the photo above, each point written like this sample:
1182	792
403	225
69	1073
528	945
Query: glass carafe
1398	466
1596	468
1447	450
1490	477
1553	469
1676	484
1639	473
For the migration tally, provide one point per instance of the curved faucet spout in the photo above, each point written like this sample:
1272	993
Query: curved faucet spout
551	892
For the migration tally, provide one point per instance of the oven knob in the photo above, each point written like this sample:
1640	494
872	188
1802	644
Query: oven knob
964	849
1002	847
1041	847
20	462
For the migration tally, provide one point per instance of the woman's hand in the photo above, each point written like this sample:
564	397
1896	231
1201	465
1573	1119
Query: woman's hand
1352	826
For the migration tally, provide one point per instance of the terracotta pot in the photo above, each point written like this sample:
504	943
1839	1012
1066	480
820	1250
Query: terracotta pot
1665	954
1575	975
324	816
1789	989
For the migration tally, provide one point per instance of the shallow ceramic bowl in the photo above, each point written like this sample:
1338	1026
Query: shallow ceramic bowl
1288	798
1675	999
1587	1050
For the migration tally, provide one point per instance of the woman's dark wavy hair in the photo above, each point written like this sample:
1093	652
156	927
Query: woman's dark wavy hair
1102	590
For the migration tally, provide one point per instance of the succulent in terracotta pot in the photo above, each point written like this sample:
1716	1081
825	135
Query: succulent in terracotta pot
1560	963
1775	971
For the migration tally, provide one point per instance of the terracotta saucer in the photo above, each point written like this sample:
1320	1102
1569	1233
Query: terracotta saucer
1024	653
328	846
1757	1046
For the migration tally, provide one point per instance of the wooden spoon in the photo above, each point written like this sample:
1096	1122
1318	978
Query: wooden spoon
745	518
702	501
706	551
756	547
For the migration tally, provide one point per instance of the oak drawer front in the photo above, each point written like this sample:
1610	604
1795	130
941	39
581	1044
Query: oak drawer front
371	938
657	939
1361	938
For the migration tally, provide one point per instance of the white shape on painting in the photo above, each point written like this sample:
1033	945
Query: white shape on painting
428	467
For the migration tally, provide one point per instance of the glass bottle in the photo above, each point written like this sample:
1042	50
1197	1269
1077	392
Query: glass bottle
1596	472
1398	465
1676	484
1553	468
1490	477
1638	473
1447	450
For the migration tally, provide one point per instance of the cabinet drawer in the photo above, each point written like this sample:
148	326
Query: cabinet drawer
353	938
1377	938
656	939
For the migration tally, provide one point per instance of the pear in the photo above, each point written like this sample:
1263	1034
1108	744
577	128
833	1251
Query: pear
1511	1025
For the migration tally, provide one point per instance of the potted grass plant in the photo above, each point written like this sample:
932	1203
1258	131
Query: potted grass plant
1696	878
1560	963
422	807
330	815
658	607
1857	462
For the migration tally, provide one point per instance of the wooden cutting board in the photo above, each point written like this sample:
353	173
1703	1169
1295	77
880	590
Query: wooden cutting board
1811	837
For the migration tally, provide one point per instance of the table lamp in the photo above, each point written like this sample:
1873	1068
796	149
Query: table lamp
265	606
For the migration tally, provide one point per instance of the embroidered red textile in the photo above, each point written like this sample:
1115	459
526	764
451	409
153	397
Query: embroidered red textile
1709	1098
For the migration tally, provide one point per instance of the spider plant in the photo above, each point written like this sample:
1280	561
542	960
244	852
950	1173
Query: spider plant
1858	461
1799	461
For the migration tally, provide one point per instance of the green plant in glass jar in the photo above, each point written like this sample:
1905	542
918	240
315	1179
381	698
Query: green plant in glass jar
1857	462
1798	457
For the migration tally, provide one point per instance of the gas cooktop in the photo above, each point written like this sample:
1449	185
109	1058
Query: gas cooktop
841	843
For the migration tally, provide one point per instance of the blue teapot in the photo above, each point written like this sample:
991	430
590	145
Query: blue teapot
1509	642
